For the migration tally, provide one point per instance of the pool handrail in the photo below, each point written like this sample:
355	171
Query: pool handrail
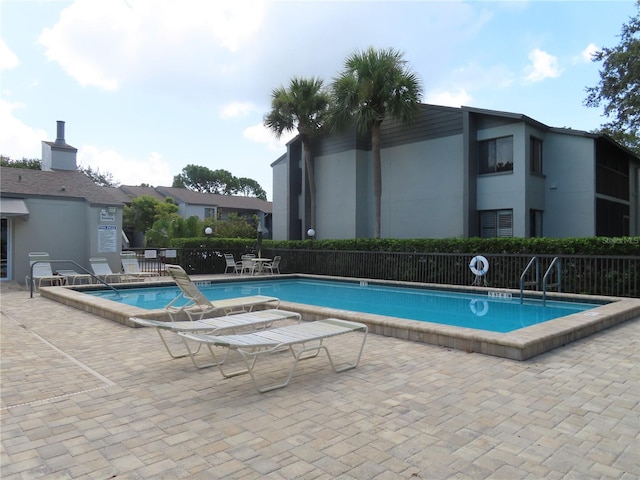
99	280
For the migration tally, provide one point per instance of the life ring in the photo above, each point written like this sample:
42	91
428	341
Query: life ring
484	267
479	307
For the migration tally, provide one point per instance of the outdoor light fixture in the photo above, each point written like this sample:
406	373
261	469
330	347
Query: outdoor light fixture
208	231
311	232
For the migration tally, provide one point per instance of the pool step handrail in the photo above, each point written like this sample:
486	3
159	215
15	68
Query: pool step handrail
98	280
534	261
545	284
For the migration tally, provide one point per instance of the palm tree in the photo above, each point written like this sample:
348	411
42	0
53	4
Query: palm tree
374	85
304	105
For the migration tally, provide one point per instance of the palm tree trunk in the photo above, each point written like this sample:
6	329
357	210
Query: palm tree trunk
308	161
377	174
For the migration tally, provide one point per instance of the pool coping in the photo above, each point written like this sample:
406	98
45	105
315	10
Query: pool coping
521	344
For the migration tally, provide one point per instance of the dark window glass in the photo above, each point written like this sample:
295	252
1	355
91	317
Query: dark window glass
496	155
496	223
536	155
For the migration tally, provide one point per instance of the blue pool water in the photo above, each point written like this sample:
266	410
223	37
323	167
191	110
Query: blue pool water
476	311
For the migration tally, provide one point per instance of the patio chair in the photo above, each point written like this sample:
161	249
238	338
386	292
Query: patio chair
231	323
42	271
197	305
102	270
303	338
274	266
131	267
248	265
230	263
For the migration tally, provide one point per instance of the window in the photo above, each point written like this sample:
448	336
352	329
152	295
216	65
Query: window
535	223
496	155
209	212
536	155
496	223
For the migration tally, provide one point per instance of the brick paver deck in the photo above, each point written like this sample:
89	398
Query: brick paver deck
83	397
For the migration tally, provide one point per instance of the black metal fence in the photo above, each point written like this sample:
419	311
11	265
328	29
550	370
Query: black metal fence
595	275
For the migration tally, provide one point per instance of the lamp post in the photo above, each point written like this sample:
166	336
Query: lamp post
260	239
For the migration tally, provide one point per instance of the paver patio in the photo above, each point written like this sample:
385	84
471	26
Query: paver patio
83	397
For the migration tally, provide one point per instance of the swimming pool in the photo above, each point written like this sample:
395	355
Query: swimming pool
520	344
494	313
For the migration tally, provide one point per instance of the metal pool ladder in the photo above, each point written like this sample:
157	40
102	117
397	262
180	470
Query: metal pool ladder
535	261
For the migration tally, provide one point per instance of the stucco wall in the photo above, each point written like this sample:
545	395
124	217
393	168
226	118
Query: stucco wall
66	229
280	201
422	189
569	165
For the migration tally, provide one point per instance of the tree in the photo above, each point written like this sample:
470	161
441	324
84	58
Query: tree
144	211
304	105
221	182
374	85
250	188
619	87
99	178
30	163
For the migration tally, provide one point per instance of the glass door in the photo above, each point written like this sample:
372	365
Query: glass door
4	250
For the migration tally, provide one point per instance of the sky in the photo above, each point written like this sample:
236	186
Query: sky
147	87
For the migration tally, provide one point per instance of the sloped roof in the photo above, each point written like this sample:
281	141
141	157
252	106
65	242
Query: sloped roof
133	191
184	195
71	184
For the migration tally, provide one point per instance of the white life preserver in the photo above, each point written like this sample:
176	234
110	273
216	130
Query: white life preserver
483	268
479	307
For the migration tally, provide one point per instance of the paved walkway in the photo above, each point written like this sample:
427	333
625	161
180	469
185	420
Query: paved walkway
83	397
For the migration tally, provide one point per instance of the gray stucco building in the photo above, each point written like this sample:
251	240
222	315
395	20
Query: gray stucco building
462	172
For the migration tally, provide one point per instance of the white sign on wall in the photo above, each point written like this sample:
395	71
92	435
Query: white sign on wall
107	238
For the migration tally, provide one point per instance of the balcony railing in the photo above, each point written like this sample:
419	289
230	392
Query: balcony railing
594	275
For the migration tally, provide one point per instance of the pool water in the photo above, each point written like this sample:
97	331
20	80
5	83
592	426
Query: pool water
483	312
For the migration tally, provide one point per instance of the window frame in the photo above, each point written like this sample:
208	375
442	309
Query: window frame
485	165
499	223
536	158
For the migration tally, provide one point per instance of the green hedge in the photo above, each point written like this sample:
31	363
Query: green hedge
540	246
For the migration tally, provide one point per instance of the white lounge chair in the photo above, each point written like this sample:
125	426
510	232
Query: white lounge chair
42	272
72	277
102	270
232	323
131	267
196	306
307	337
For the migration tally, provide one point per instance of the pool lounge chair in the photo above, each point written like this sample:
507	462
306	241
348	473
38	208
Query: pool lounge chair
232	323
131	267
102	270
303	338
197	306
42	272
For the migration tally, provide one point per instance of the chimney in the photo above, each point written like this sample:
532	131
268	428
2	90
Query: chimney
60	140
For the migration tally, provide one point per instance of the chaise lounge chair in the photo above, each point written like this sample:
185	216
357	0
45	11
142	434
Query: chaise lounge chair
131	267
198	306
42	271
232	323
299	339
102	270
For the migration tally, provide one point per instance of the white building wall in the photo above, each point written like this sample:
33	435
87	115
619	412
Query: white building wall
422	189
569	166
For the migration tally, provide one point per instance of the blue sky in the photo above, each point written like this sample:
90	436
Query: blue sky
147	87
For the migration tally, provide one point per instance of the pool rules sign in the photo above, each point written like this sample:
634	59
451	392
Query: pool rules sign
107	238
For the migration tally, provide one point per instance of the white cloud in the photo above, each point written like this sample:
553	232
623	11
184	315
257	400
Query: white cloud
147	38
543	65
236	109
154	170
8	59
449	98
17	140
589	52
261	134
